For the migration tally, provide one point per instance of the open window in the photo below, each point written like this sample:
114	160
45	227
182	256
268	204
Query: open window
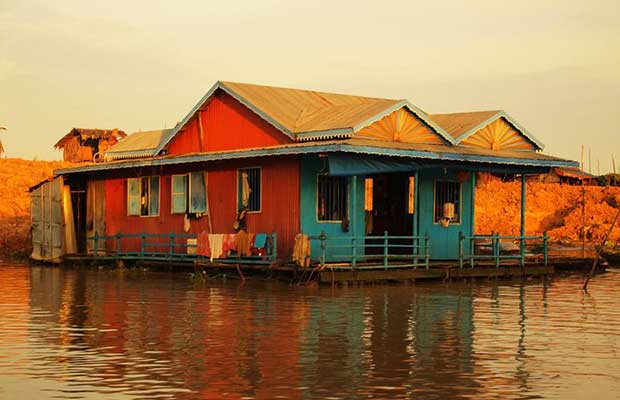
332	198
249	189
143	196
188	193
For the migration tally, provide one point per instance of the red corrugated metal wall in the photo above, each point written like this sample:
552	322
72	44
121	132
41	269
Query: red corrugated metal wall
280	204
227	125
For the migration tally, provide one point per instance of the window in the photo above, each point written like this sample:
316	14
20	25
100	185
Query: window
189	193
197	193
447	192
179	194
249	189
143	196
331	198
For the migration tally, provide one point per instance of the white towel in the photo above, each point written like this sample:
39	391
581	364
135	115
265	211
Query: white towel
216	242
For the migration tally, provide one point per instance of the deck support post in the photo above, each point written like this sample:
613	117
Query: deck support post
171	249
118	243
427	252
96	244
385	249
322	238
545	247
523	198
461	239
496	248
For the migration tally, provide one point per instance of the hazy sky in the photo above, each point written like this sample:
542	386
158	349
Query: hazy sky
552	65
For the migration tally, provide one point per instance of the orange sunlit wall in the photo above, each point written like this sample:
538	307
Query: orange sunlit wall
226	125
279	213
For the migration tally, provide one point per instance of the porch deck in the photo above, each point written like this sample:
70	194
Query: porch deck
397	258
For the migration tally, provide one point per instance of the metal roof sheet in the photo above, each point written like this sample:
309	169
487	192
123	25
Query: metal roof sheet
457	124
307	114
462	125
353	145
137	145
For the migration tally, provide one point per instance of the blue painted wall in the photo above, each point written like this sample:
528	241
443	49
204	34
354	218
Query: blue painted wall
444	241
311	166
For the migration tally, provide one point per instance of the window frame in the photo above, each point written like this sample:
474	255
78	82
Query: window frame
188	206
150	191
460	209
172	194
347	205
260	200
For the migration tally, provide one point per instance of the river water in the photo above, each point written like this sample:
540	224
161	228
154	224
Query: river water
90	334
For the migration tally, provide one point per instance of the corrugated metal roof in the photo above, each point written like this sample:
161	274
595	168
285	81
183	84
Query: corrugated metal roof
137	145
354	145
462	125
307	114
86	133
307	110
457	124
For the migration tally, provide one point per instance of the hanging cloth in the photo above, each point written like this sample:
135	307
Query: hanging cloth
245	189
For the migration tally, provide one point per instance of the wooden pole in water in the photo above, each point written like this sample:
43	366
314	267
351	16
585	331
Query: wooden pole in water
599	250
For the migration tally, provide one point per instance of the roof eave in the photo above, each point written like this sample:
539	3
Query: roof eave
319	148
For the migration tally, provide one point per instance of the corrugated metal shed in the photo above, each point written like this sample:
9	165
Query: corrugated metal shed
137	145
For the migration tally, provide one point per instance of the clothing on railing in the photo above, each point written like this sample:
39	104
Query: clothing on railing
301	250
202	244
216	242
244	243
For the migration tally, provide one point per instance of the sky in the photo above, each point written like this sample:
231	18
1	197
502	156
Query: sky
554	66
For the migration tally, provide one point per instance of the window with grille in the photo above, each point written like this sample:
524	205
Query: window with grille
447	192
143	196
331	198
249	189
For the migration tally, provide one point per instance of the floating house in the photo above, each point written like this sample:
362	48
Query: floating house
370	182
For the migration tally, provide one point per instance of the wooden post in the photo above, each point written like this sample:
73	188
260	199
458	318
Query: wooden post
461	238
118	243
613	164
523	205
416	201
385	249
171	250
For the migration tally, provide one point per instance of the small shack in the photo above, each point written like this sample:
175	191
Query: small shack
84	145
568	176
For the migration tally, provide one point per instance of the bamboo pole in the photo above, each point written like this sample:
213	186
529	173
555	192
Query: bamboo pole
613	164
599	250
205	173
589	160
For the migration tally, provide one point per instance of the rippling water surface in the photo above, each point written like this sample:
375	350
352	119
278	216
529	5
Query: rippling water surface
132	335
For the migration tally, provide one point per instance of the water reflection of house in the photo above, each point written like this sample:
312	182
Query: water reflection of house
391	342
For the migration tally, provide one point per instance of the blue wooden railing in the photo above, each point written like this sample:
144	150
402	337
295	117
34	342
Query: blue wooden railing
485	248
167	247
372	252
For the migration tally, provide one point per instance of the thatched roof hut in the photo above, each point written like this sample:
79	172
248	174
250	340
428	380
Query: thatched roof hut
80	145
